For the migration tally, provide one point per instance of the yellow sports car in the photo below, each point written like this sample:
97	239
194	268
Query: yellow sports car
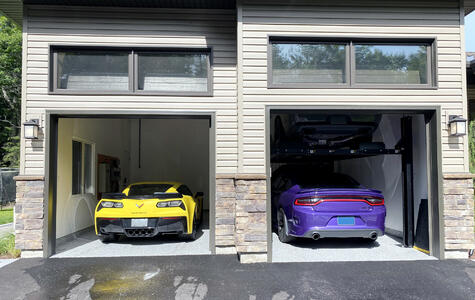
146	209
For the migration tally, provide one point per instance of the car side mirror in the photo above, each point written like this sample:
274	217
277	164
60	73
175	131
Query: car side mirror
199	194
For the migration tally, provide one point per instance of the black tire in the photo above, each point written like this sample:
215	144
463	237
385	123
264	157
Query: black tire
283	228
201	212
109	238
193	235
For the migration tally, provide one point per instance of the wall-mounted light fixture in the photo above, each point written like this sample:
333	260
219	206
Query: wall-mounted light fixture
457	126
31	129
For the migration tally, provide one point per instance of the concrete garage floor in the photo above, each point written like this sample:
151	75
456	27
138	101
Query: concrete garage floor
386	248
86	244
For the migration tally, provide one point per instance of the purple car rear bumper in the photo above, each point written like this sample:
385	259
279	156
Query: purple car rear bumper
322	219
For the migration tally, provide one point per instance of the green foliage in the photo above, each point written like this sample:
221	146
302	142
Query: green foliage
6	216
7	247
471	144
10	91
11	150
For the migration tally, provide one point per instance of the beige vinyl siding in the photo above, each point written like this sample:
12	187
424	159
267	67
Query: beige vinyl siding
338	18
48	25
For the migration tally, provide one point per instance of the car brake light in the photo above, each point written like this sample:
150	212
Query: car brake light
375	201
311	200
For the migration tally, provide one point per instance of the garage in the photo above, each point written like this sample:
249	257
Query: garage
352	185
96	157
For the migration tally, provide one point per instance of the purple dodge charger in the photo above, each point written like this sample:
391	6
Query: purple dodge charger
307	203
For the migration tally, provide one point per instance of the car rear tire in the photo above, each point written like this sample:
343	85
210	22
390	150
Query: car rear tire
201	212
283	228
109	238
193	235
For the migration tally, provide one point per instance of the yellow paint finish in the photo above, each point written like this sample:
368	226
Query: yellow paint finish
147	208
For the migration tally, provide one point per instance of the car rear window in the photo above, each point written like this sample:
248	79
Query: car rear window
332	180
148	189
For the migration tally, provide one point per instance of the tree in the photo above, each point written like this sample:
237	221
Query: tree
10	92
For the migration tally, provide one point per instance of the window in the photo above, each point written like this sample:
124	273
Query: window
322	63
391	64
186	72
77	168
131	71
148	189
92	70
307	63
88	167
82	168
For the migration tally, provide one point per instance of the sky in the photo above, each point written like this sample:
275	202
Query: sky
470	32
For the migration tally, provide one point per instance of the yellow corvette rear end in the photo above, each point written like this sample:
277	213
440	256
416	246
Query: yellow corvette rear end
148	209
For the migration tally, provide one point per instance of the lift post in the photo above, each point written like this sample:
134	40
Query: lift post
408	182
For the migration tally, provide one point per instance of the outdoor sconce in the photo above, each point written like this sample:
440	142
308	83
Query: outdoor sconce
457	126
31	129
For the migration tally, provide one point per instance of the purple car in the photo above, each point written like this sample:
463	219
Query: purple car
315	205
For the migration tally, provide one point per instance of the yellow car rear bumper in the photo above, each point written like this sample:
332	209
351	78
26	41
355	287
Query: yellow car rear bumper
158	220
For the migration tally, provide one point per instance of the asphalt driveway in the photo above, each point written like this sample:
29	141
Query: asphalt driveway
223	277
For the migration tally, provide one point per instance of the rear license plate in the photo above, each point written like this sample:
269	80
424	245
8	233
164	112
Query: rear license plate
345	220
139	223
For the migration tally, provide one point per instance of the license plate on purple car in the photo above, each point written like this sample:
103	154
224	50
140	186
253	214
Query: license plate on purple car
345	220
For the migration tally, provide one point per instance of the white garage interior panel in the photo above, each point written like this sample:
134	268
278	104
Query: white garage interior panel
381	172
158	149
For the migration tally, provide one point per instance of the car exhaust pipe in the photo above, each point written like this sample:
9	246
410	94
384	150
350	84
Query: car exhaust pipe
316	236
373	236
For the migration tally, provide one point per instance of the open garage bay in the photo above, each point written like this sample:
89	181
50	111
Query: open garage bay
142	161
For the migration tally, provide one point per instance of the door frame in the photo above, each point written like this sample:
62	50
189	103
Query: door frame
51	155
433	121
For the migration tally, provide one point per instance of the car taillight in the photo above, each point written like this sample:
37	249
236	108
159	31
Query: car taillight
375	201
307	200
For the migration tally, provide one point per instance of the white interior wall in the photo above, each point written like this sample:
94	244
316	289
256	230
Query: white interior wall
172	150
382	172
419	163
110	137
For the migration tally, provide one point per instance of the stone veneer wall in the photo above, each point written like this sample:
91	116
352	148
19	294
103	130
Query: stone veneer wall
241	225
458	216
225	215
29	215
241	216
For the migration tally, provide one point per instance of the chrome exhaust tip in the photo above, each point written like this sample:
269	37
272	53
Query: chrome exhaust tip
373	236
316	236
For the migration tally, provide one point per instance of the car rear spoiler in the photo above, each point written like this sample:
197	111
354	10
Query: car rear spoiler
157	195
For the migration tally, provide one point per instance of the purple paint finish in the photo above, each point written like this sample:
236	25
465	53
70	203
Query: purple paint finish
304	221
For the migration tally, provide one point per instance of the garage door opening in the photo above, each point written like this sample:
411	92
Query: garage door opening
100	157
352	186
